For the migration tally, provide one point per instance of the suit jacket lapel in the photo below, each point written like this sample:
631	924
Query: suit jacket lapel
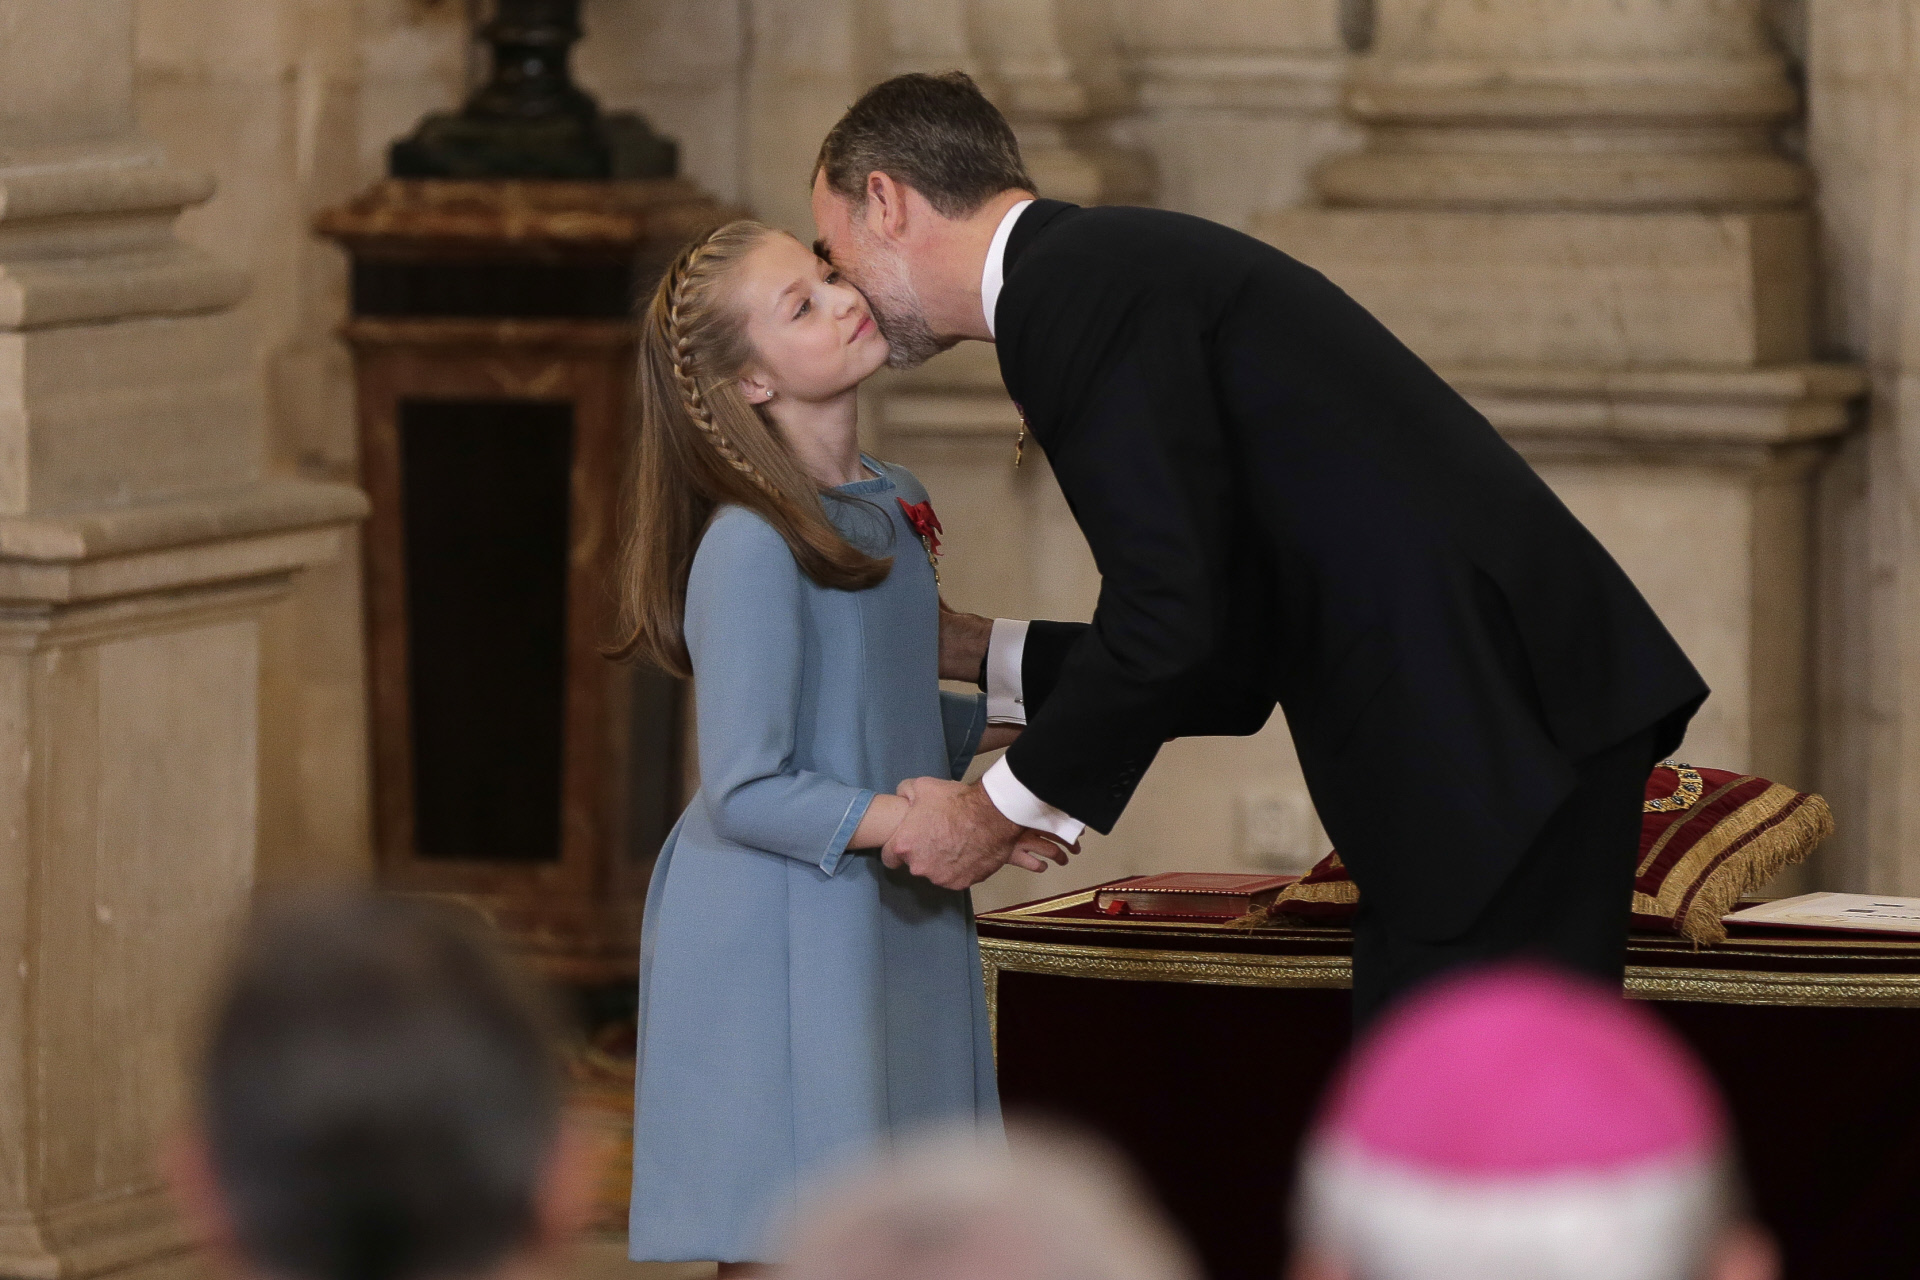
1035	219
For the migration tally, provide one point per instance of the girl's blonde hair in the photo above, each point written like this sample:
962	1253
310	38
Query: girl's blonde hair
701	445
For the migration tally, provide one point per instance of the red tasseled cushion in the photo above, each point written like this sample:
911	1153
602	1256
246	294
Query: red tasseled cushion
1707	836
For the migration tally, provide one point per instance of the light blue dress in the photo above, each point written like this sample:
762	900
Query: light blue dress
799	1002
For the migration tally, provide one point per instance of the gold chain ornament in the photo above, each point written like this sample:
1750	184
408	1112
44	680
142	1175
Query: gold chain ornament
1692	787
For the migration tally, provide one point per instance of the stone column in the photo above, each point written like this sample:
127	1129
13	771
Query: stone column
1057	73
140	538
1863	84
1576	211
1239	99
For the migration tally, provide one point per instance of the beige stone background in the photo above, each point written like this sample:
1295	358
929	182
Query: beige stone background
1665	244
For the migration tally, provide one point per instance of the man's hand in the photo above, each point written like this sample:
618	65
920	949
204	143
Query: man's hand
953	836
963	643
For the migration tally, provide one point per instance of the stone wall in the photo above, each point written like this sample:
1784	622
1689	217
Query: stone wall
148	543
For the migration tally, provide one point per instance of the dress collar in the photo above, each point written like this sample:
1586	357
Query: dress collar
993	275
878	482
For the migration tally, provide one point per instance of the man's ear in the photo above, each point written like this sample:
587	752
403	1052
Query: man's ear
886	207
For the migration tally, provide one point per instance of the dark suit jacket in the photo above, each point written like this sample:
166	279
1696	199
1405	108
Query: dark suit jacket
1286	505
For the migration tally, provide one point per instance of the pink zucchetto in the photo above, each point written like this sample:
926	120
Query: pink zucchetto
1518	1124
1521	1070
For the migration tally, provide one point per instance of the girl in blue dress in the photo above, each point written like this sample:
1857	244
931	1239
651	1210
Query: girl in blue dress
799	1001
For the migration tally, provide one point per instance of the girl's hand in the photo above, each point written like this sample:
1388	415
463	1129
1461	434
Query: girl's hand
881	821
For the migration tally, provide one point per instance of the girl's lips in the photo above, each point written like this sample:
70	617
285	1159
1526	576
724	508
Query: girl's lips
860	330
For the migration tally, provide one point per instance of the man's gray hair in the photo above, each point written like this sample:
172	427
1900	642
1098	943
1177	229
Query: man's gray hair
935	133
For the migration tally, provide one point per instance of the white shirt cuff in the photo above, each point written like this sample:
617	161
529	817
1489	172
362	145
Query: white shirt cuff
1006	703
1011	797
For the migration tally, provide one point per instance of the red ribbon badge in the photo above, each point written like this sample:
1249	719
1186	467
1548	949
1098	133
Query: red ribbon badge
925	523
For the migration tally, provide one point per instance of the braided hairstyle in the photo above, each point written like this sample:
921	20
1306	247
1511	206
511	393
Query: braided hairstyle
676	287
702	445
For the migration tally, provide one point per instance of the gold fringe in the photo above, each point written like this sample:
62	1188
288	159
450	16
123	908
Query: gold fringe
1783	845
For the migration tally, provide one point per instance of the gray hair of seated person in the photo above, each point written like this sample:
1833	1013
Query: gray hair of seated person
1044	1205
380	1095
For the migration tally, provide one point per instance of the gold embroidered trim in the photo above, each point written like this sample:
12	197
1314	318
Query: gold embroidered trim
1643	982
1674	828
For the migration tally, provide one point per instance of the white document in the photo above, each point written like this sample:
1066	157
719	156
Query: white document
1835	911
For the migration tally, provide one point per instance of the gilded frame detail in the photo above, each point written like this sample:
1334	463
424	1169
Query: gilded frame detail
1644	982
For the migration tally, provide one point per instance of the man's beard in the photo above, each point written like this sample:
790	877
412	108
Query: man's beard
895	304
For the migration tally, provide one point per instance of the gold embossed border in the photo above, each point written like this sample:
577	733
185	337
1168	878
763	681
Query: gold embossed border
1644	982
1129	964
1749	986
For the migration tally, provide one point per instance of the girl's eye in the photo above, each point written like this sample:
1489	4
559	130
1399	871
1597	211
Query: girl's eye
833	277
804	308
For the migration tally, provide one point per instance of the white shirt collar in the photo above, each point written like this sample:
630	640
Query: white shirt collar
993	276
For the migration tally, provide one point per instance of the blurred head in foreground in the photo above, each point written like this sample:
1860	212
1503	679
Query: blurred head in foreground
1043	1206
379	1101
1515	1124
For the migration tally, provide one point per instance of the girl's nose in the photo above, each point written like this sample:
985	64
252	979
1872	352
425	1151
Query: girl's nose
846	299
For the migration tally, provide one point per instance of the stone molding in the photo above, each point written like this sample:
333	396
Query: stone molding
1653	413
89	239
1662	413
1510	106
89	1239
1294	83
1582	288
171	569
272	506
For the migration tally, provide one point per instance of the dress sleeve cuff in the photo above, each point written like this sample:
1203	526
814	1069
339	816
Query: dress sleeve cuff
837	846
969	747
1017	804
1006	700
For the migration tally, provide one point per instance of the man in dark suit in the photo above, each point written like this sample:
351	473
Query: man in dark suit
1286	506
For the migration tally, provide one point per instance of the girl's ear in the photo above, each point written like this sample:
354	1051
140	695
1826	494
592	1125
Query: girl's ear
755	388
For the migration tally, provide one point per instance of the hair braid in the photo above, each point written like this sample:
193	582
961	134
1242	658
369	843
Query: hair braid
680	346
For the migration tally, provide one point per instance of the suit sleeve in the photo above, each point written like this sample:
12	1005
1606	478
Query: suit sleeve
1048	644
744	633
1135	442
